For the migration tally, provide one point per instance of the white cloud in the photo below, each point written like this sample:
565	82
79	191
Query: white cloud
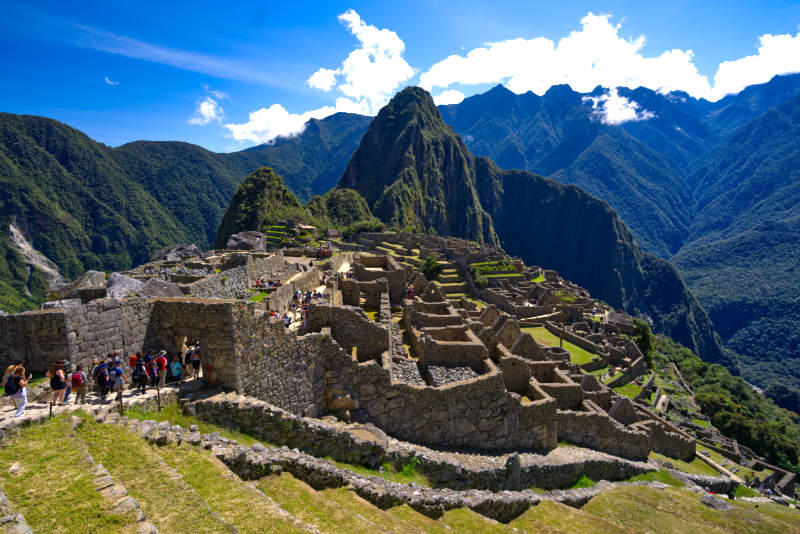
611	108
451	96
366	79
110	82
371	73
323	79
207	110
777	54
598	55
266	124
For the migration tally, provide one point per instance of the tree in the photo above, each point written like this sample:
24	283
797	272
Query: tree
644	339
564	299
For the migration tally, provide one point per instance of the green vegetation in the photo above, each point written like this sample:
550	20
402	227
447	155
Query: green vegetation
54	489
583	482
373	313
430	266
701	422
538	279
657	476
489	267
544	337
481	282
630	390
696	465
735	408
258	296
173	414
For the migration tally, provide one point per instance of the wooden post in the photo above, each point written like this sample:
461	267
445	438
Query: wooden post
158	397
121	409
51	409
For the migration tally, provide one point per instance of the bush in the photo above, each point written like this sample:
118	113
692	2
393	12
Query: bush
363	226
644	339
431	266
481	282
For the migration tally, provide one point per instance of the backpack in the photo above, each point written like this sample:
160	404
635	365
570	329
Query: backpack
77	379
11	386
139	372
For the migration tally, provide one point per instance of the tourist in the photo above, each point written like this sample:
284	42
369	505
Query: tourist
162	366
16	389
133	359
152	371
117	379
139	376
101	378
80	383
196	364
286	320
176	369
58	382
10	370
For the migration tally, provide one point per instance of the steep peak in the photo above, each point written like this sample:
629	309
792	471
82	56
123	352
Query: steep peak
561	92
412	104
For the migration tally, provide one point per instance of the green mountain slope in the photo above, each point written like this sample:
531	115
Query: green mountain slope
415	173
742	262
539	219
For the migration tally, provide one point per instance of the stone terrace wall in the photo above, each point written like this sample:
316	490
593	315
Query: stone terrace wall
350	327
598	431
277	366
281	298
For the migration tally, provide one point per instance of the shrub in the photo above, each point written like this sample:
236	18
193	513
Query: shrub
481	282
431	266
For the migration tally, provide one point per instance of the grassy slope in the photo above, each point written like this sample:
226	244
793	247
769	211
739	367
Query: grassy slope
547	339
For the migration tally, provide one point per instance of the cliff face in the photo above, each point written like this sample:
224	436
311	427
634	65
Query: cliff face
416	173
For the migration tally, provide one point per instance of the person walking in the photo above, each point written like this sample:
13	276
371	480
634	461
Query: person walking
152	369
117	378
101	379
161	360
139	376
80	383
16	389
196	363
58	382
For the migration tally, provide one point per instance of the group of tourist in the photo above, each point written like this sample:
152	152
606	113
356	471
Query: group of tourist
105	375
262	283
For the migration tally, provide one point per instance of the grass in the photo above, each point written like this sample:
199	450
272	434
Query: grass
134	463
583	482
696	466
551	516
539	278
544	337
513	275
175	416
373	313
739	470
407	473
742	491
657	476
675	510
613	377
258	296
54	489
701	422
630	390
235	501
481	305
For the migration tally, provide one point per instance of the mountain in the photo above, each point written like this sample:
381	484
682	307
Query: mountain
311	163
411	157
560	135
88	206
414	172
741	258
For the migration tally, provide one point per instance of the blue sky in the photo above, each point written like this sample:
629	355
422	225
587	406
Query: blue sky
201	72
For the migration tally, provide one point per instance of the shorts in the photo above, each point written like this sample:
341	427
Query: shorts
195	364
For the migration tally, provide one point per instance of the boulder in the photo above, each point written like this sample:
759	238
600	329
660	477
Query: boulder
63	303
120	286
250	240
156	287
177	252
712	501
88	286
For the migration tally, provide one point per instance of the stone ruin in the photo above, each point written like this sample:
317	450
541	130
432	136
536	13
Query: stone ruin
425	370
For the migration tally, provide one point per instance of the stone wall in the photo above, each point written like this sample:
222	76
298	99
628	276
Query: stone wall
596	430
281	298
277	366
351	327
48	329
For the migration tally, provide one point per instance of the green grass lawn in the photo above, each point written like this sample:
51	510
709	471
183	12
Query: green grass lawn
539	278
173	414
630	390
546	338
696	466
701	422
258	296
511	275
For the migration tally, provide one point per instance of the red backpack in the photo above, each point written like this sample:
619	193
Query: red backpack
77	379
